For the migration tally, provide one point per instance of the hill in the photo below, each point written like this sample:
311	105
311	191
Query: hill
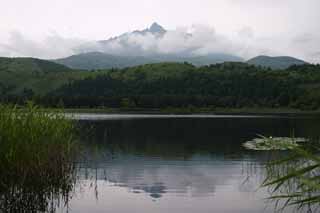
18	75
280	62
30	65
161	85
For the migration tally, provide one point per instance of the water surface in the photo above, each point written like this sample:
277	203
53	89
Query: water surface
181	164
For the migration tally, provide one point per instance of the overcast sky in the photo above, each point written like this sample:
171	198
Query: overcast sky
51	28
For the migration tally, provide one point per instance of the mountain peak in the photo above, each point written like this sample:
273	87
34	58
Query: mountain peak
156	28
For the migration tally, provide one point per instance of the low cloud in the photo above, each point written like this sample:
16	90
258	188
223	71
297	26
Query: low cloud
53	46
308	45
194	40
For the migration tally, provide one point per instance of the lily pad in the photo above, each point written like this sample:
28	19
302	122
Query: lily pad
274	143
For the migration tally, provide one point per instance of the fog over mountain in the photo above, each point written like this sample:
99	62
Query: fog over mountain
157	42
199	45
197	40
245	28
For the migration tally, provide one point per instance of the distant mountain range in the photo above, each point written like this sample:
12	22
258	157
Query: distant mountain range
108	54
123	51
133	55
99	60
280	62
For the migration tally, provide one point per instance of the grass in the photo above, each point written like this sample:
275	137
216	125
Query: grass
295	180
37	151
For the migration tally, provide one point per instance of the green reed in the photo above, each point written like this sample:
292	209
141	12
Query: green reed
295	180
37	151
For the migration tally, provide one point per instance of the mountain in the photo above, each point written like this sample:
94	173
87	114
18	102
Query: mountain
99	60
154	29
137	48
280	62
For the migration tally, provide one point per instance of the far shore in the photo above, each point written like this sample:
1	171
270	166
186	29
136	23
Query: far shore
188	111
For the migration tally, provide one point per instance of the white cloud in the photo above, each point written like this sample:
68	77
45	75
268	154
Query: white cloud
196	40
53	46
267	26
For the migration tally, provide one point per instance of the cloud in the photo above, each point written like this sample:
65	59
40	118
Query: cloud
53	46
194	40
308	45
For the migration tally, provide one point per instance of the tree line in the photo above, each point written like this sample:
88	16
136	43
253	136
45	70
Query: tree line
230	85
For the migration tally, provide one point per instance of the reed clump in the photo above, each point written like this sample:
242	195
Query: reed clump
37	151
294	180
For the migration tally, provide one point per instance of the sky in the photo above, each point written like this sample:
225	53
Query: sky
246	28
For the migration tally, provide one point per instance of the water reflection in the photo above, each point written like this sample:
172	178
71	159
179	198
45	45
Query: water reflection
197	177
180	162
44	190
168	165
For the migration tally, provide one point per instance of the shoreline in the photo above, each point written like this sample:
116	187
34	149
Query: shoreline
196	111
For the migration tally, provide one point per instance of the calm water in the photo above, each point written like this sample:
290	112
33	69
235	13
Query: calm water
181	164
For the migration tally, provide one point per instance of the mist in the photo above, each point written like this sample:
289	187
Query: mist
52	46
194	40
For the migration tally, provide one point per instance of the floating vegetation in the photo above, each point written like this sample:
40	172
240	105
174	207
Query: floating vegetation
274	143
37	151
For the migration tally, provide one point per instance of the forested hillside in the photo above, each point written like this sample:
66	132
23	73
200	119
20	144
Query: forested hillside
231	85
30	65
162	85
28	76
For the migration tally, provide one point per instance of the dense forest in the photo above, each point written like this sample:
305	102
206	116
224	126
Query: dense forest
228	85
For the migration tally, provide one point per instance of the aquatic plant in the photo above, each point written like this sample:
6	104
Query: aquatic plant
274	143
294	177
37	150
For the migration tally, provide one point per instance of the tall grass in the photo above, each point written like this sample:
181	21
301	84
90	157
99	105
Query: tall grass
37	150
295	180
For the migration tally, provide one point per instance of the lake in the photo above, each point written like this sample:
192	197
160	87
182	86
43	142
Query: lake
176	163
